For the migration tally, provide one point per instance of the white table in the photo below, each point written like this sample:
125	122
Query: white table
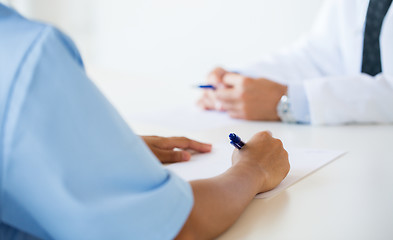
350	198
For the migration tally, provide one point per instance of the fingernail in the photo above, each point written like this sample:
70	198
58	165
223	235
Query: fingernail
185	156
208	147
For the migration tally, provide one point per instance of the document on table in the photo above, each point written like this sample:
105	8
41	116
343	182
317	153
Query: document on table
303	162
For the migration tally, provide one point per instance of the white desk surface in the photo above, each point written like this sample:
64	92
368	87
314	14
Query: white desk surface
350	198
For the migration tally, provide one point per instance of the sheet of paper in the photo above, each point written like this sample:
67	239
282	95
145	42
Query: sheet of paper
189	118
303	162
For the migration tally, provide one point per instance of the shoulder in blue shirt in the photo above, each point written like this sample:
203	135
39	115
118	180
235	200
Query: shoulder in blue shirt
71	168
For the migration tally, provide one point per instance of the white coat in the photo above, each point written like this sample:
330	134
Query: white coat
327	64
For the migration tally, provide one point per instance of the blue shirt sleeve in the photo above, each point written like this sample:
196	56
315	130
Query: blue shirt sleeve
71	167
9	233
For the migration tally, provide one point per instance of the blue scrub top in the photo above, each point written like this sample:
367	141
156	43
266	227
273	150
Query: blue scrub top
70	167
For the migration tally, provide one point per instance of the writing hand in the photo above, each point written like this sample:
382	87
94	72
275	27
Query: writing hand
218	202
265	158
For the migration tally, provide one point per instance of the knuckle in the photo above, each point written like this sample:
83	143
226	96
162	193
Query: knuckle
184	140
162	142
279	143
219	70
155	139
264	134
286	154
214	75
261	136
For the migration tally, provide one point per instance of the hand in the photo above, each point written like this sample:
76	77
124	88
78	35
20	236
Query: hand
258	167
243	97
250	98
208	100
164	148
265	157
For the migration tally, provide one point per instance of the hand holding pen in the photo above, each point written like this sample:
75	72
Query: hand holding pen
209	100
242	96
263	157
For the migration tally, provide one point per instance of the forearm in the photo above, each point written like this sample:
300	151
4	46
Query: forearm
219	201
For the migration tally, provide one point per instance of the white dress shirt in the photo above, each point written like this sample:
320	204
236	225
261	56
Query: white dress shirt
323	70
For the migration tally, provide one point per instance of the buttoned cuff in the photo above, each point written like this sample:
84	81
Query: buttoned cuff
299	102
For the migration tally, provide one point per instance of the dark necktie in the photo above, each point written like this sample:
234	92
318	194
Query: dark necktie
376	12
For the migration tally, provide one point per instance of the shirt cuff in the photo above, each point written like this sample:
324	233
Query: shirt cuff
299	102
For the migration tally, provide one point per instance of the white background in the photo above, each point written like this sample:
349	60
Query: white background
155	49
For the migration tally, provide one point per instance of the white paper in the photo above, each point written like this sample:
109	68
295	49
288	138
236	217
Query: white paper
303	162
189	118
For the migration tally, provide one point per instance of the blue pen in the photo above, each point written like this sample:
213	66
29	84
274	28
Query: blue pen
207	87
212	87
236	141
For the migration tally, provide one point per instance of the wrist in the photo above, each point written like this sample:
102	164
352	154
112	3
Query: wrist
299	102
284	109
251	172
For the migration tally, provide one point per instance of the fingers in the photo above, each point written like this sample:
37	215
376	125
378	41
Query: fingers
215	76
263	139
164	148
166	154
206	103
170	156
234	79
232	96
220	75
227	94
264	135
209	101
230	99
186	143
